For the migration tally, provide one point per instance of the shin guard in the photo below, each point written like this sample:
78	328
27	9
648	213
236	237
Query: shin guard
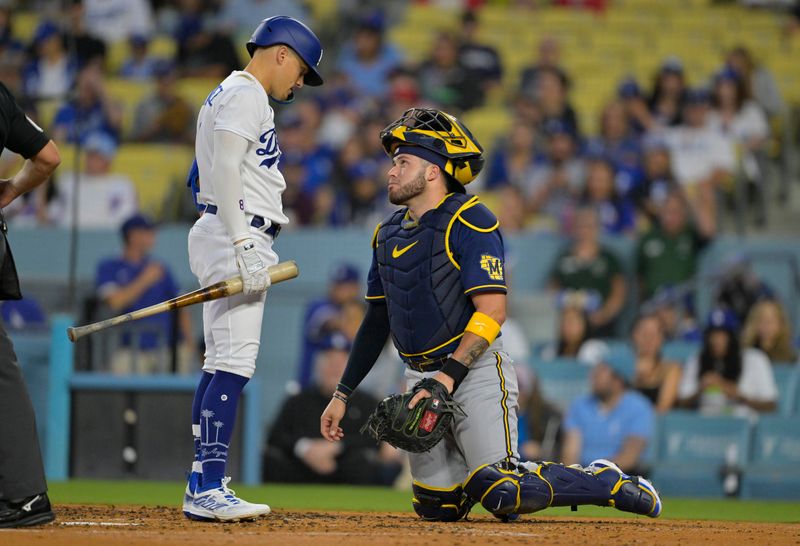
440	504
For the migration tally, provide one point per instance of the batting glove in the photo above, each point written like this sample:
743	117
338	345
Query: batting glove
255	278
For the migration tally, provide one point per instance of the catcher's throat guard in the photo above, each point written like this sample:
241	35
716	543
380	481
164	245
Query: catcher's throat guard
418	429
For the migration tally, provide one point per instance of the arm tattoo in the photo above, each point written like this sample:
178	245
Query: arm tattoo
474	351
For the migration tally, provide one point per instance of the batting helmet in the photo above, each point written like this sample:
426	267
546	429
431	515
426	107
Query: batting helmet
440	133
281	29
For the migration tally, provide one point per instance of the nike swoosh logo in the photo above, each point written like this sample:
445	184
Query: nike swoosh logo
397	252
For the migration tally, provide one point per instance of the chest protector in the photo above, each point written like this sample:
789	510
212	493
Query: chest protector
428	309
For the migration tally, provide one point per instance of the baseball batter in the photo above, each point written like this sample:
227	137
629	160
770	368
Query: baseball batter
239	192
437	286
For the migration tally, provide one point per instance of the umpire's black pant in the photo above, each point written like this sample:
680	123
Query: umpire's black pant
21	469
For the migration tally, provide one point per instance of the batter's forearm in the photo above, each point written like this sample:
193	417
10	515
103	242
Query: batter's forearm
229	151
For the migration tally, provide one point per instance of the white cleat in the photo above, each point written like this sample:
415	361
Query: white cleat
222	504
630	493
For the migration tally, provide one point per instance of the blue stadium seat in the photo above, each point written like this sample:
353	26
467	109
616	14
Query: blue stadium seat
679	350
776	457
692	450
562	380
787	379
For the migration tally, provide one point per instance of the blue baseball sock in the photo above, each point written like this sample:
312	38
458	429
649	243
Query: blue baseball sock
217	418
205	379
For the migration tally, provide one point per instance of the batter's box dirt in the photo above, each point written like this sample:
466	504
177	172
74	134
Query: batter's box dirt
102	525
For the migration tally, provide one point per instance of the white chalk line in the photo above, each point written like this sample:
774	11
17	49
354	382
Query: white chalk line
99	523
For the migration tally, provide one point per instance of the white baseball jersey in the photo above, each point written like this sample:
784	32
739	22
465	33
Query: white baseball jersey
240	105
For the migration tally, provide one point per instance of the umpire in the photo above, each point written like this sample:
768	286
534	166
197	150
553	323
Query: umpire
23	489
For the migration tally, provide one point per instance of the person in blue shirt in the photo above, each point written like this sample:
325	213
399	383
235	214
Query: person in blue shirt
323	317
136	280
367	59
613	422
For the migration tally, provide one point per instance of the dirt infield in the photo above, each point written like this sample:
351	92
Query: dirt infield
96	525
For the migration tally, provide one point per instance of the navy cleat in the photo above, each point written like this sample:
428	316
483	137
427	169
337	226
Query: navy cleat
628	493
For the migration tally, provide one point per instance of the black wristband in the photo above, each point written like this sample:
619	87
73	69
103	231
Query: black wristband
344	389
339	396
456	370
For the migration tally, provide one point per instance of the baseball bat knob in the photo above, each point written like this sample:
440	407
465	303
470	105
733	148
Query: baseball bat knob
71	334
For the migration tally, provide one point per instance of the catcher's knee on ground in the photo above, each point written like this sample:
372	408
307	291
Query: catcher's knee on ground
440	504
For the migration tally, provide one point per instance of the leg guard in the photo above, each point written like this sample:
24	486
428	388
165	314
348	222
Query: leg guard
505	489
440	504
628	493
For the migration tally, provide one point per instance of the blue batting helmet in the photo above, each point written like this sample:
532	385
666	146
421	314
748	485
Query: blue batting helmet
281	29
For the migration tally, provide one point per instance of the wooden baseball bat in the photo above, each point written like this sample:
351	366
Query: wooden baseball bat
277	273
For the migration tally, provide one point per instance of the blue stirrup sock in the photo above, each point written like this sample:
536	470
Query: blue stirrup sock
217	418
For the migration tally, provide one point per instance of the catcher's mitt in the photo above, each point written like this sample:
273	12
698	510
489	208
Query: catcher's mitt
415	430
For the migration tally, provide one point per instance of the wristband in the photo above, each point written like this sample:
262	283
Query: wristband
484	326
456	370
344	389
340	396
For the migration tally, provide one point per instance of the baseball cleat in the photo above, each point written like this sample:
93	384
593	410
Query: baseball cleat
222	504
628	493
192	485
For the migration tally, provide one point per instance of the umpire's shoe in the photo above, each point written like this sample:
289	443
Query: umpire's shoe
34	510
222	504
628	493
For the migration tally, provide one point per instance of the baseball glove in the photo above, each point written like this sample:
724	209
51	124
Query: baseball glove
418	429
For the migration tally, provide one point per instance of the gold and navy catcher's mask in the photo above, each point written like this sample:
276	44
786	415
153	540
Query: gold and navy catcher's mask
440	133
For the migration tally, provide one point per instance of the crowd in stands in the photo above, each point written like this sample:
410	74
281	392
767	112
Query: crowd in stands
661	171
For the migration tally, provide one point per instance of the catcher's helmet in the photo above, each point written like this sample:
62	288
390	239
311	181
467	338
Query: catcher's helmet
281	29
440	133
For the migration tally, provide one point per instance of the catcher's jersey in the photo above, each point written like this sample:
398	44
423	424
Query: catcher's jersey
428	270
240	105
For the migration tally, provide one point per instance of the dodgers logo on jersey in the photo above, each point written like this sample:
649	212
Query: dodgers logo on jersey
270	149
493	267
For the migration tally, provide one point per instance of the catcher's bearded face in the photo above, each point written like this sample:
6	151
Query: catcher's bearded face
406	178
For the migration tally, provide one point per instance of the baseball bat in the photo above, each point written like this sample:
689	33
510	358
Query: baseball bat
277	273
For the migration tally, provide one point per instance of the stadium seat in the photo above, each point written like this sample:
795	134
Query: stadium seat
692	451
562	380
776	457
680	351
787	378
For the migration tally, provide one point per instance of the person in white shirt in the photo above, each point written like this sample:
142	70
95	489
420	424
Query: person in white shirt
724	379
240	187
117	20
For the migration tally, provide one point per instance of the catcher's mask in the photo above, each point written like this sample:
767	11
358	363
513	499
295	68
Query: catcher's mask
440	133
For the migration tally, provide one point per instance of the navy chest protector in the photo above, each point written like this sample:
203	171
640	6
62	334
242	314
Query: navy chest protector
428	309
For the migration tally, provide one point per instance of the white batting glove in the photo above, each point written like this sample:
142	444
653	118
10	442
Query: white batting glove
255	278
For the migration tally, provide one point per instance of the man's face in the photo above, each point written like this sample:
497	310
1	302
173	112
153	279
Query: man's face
330	367
142	239
288	76
673	215
604	383
406	178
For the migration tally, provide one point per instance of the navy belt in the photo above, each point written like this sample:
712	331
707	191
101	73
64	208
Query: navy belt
257	222
433	365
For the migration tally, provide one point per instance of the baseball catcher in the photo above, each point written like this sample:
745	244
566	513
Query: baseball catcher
437	286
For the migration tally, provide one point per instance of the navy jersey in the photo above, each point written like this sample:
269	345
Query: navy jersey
427	271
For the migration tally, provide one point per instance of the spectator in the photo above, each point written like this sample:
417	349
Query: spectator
657	182
296	453
593	271
140	65
23	315
369	59
88	48
105	200
90	112
164	116
724	378
549	58
366	195
657	379
702	159
118	20
669	93
203	52
514	158
51	74
323	317
636	107
620	144
768	329
674	307
667	254
12	51
481	61
613	422
238	15
136	280
444	80
539	420
551	98
738	287
556	182
573	337
759	82
617	215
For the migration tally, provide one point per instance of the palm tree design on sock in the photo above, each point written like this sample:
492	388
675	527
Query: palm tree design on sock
207	414
218	425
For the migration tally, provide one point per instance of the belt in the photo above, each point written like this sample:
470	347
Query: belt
426	365
257	222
